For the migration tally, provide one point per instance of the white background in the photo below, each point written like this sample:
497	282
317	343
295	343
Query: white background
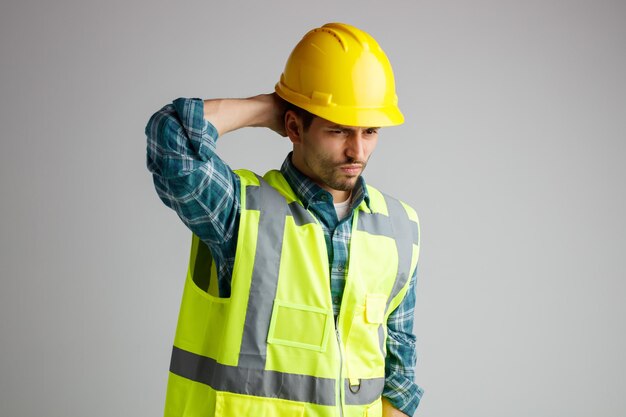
512	153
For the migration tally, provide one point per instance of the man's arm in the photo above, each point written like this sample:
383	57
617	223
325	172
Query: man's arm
189	177
265	110
401	394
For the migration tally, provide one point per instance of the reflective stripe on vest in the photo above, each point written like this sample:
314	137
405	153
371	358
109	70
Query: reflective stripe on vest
264	274
302	388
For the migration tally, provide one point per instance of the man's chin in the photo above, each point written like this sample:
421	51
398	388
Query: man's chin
346	184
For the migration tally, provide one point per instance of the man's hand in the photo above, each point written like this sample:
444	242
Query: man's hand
264	110
275	115
390	411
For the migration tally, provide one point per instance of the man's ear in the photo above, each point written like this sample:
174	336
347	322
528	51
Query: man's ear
293	126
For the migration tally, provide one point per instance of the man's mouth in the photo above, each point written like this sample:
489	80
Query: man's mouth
351	169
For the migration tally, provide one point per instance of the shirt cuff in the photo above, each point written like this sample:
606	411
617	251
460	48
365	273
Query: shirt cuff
201	133
402	393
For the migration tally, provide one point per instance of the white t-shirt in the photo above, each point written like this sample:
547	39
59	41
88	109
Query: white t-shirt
343	209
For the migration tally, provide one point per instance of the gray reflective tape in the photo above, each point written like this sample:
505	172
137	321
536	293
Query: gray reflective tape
375	224
264	276
300	215
252	197
257	382
403	233
367	391
415	232
381	339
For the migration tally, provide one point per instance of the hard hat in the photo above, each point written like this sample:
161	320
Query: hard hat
340	73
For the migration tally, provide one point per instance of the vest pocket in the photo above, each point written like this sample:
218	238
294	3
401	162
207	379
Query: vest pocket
237	405
201	322
299	326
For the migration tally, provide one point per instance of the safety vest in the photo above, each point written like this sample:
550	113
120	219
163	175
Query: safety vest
273	348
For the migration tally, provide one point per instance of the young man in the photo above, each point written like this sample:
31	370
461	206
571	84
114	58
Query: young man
300	294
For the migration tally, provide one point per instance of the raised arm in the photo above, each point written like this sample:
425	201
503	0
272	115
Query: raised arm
265	110
188	175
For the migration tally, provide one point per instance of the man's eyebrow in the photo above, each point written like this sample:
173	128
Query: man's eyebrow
336	126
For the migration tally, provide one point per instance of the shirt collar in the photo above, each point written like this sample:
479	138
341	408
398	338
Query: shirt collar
309	192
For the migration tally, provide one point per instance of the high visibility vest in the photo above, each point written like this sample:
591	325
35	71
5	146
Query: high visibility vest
273	348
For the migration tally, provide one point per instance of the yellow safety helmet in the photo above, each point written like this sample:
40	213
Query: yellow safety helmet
340	73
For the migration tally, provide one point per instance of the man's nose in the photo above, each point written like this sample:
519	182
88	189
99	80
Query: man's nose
355	147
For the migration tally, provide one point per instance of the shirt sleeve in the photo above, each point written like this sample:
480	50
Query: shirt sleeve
400	387
191	179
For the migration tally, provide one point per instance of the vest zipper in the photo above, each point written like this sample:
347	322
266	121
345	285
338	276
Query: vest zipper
340	384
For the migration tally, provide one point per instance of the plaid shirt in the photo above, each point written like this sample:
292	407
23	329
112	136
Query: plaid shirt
191	179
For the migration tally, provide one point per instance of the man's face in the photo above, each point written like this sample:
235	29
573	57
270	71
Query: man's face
333	155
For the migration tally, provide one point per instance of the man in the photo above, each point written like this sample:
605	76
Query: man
300	294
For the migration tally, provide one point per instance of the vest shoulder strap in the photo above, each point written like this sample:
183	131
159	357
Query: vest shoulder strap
247	177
